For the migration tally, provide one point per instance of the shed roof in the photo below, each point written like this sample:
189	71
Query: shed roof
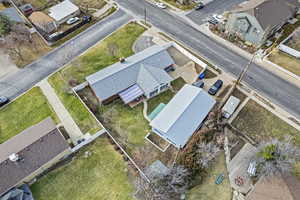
145	68
269	13
62	10
36	146
181	117
12	14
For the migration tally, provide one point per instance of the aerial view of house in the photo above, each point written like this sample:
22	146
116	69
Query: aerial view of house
149	100
256	20
30	153
143	74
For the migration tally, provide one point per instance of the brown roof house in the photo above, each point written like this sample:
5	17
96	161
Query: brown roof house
43	22
29	153
256	20
284	187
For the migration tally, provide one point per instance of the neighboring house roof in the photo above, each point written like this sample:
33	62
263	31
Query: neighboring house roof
284	187
145	68
269	13
21	193
238	167
39	17
36	146
181	117
62	10
12	14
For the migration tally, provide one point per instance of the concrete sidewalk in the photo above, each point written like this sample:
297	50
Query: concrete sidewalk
259	61
62	113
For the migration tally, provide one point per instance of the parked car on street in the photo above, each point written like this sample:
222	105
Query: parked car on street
199	84
72	20
199	6
215	87
161	5
3	100
213	21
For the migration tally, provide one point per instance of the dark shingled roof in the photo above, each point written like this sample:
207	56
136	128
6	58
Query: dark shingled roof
269	13
36	146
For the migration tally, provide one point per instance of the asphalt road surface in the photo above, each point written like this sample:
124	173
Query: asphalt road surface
270	85
214	7
14	84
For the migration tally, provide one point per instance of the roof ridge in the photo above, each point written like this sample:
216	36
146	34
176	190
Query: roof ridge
161	48
185	109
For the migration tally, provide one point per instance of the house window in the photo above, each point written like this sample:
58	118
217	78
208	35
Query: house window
164	86
154	92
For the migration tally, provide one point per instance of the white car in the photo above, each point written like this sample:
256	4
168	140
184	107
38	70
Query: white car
72	20
219	18
161	5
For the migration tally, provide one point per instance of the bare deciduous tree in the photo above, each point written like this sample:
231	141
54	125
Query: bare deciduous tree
277	157
18	37
166	187
207	152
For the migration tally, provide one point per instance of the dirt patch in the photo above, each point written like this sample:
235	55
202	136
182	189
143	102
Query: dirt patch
6	64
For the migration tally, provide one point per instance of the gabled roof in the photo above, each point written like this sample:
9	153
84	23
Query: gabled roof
181	117
269	13
62	10
36	146
145	68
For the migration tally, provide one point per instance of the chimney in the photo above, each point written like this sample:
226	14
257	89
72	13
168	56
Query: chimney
14	157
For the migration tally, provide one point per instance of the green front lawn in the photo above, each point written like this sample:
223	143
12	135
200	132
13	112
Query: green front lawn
27	110
208	189
102	175
261	124
95	59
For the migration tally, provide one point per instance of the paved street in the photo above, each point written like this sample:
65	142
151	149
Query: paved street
14	84
278	90
214	7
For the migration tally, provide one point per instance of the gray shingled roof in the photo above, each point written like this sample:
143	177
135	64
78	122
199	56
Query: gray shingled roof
12	14
145	68
181	117
269	13
36	146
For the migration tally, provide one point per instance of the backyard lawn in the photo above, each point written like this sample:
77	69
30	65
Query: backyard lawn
102	175
24	112
261	124
208	189
97	58
287	62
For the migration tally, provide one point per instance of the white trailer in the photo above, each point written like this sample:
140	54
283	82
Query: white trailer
230	106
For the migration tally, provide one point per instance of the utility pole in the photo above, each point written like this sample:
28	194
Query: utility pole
145	15
244	71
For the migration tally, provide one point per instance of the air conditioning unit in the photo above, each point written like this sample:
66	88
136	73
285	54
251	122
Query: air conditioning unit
14	157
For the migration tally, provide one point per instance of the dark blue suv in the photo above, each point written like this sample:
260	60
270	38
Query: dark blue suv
215	87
